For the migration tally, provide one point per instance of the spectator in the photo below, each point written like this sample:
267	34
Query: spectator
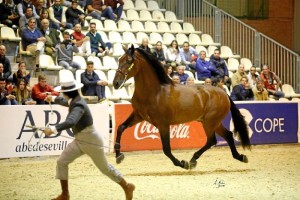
220	68
57	14
81	40
24	20
40	7
176	79
92	85
169	71
188	56
269	78
22	73
145	45
5	97
9	14
159	53
22	94
242	91
52	37
74	15
252	76
65	51
97	9
45	15
173	55
41	90
117	7
220	84
190	81
207	81
203	67
23	5
97	44
5	63
180	72
237	76
259	92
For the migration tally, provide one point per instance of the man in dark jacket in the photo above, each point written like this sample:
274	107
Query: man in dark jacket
5	62
51	35
9	14
74	15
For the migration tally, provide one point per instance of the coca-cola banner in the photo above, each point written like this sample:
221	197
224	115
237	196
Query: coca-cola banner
145	136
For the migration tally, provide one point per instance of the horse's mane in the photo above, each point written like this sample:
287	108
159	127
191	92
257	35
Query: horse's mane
157	66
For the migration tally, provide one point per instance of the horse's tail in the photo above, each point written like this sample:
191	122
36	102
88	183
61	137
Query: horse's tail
240	125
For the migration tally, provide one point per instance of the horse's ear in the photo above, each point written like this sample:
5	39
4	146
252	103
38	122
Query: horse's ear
124	48
132	49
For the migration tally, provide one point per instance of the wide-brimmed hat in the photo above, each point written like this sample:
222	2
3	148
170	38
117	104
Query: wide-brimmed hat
67	82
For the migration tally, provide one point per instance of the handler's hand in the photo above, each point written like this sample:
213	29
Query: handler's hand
48	98
48	131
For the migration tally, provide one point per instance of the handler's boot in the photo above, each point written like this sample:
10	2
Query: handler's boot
128	189
65	191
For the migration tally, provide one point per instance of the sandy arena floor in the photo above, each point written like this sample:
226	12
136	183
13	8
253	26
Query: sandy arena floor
273	172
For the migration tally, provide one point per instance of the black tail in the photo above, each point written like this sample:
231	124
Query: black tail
240	125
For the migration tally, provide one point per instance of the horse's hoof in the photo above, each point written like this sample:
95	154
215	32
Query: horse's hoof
245	159
120	158
185	164
193	164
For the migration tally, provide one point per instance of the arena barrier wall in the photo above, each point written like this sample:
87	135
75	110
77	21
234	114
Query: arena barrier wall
269	123
15	136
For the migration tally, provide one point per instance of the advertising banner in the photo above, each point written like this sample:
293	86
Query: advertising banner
17	140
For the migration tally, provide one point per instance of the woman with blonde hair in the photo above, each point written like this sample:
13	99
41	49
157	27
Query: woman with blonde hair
22	94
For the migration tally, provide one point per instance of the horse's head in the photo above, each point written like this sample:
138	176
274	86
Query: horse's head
126	68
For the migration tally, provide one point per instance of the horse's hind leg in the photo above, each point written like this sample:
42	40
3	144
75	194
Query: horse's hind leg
228	136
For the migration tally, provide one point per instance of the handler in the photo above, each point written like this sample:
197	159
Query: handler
87	140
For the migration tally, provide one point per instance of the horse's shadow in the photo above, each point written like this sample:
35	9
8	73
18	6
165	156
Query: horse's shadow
190	172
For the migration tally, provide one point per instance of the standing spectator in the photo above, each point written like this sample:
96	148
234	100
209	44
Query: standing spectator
242	91
203	67
259	92
237	76
97	9
9	14
24	20
22	94
159	53
81	41
51	35
5	97
41	90
57	14
173	55
252	76
65	51
74	15
269	78
220	68
97	44
180	72
117	7
5	63
145	45
188	56
92	85
23	5
22	73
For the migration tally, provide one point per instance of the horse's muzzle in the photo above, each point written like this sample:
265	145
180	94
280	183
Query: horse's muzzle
118	83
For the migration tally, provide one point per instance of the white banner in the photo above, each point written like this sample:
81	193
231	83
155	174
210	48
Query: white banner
15	136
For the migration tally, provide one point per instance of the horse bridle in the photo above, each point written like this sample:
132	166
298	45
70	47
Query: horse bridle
125	73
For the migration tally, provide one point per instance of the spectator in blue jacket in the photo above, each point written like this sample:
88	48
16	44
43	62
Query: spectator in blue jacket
180	72
203	67
243	91
188	55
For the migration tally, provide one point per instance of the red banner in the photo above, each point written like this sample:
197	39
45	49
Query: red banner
145	136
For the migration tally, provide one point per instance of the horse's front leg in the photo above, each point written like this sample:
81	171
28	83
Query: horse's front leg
130	121
165	139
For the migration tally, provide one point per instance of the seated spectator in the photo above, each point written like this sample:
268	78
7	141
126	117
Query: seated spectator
190	81
117	7
92	85
259	92
242	91
57	14
9	14
6	68
41	90
252	76
176	79
159	53
65	51
203	67
169	70
220	84
22	73
237	76
24	20
269	78
97	9
40	6
207	81
220	68
23	5
180	72
74	15
81	40
5	97
97	44
172	54
188	56
145	45
22	94
52	37
45	15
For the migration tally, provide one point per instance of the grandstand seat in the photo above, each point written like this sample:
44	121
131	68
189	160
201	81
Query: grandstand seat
293	99
128	4
247	62
189	28
110	25
110	96
226	53
289	91
158	16
132	15
99	25
155	37
232	64
194	39
211	50
122	93
124	25
171	17
137	26
110	62
118	50
97	63
10	40
200	48
181	38
141	5
150	27
129	38
80	60
163	27
110	76
207	40
145	15
115	37
140	36
168	38
175	27
46	62
153	5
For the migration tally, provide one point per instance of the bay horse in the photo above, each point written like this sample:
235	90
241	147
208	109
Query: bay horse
159	101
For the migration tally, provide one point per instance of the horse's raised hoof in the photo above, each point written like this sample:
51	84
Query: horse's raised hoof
245	159
120	158
193	164
185	164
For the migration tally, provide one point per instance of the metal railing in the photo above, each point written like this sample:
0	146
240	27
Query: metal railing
241	38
